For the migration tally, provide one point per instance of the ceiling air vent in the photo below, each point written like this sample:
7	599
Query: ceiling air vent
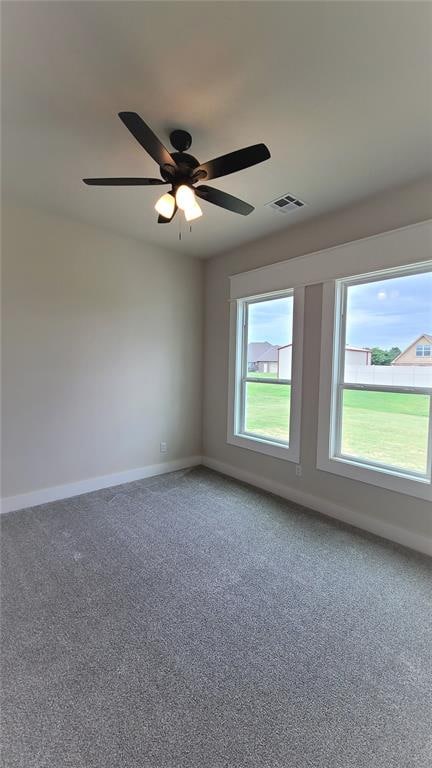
286	204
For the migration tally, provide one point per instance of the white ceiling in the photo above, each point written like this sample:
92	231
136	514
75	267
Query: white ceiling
340	93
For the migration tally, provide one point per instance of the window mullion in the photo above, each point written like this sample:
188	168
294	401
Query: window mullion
383	388
258	380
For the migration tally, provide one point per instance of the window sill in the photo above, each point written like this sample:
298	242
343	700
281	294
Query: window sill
420	487
261	445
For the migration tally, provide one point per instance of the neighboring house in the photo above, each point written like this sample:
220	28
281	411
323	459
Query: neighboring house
419	352
358	356
262	357
353	356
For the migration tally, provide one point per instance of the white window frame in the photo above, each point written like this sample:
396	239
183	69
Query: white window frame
237	380
329	457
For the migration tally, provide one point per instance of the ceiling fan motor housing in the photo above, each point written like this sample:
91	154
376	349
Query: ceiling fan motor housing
183	170
181	140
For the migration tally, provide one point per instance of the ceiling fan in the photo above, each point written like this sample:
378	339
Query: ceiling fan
183	171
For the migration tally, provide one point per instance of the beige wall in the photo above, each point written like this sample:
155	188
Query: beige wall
404	206
102	352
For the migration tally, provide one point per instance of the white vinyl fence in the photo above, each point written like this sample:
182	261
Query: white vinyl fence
285	358
390	375
378	375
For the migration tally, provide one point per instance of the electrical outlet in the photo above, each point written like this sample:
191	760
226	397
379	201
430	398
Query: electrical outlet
298	470
163	447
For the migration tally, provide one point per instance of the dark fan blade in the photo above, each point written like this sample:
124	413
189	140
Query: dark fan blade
126	182
145	136
229	202
163	220
235	161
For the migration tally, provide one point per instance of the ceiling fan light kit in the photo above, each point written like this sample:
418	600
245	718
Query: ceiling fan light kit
165	205
183	171
185	197
192	213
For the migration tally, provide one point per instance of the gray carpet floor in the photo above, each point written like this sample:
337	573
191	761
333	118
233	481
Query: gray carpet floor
191	621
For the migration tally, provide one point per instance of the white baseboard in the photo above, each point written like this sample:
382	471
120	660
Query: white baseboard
379	527
44	495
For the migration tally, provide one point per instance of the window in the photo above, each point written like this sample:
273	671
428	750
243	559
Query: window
380	419
423	350
267	336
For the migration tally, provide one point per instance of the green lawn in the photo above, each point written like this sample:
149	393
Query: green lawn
385	427
267	409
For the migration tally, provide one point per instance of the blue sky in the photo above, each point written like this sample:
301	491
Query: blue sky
271	321
388	313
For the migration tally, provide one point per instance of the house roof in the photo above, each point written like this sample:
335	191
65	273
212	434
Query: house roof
358	349
262	352
426	336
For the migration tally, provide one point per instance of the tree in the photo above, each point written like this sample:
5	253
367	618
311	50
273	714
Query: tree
394	352
384	356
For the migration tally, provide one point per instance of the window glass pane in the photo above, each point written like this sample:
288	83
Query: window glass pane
388	329
269	338
386	428
267	410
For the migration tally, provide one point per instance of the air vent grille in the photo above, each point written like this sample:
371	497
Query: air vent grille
286	204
